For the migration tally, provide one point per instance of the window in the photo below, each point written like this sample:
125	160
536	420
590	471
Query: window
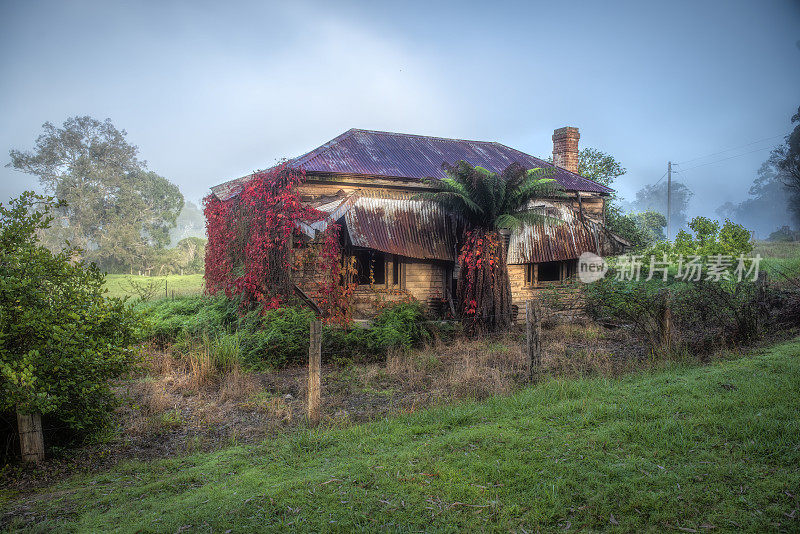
395	270
549	271
370	267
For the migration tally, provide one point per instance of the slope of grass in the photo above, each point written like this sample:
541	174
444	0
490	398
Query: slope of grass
119	285
685	448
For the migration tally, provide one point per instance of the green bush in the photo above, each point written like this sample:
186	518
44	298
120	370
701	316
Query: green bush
278	337
171	320
399	326
275	339
61	341
705	314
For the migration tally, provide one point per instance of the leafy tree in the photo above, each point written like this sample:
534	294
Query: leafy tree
599	166
775	194
187	257
60	340
768	205
711	238
654	198
489	203
784	233
115	209
652	225
788	161
605	169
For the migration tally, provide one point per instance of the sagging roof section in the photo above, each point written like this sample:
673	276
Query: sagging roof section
406	227
556	242
396	155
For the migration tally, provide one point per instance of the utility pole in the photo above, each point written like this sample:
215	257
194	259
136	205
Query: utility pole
669	200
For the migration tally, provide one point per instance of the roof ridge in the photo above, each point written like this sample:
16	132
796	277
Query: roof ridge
400	134
311	154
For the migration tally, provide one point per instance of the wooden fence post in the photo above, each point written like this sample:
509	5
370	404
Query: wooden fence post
666	322
314	372
533	330
31	441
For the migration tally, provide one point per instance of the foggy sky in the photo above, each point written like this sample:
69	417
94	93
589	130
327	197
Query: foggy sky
213	90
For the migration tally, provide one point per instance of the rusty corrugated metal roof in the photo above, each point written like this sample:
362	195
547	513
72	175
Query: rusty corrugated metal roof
396	155
421	229
566	241
411	228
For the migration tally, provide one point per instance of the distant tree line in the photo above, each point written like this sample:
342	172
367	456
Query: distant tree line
773	203
120	214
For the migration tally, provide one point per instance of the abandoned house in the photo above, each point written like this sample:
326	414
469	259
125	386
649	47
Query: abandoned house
366	181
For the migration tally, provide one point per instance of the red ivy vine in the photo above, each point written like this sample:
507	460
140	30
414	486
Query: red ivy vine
484	289
252	239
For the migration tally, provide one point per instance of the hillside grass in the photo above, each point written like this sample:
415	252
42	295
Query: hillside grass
686	448
781	260
119	285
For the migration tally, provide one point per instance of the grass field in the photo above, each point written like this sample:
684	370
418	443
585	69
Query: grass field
780	259
687	449
122	285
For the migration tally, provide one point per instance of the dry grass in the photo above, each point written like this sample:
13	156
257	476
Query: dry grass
462	369
190	395
237	385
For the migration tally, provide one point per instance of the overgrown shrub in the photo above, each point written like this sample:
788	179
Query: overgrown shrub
277	337
704	314
168	321
61	341
401	325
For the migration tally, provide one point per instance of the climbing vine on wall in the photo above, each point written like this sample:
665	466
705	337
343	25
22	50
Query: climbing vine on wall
484	293
253	239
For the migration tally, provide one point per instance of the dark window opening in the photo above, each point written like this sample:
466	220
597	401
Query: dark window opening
550	271
570	269
370	267
395	270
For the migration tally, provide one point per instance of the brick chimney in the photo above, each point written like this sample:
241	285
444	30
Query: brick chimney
565	148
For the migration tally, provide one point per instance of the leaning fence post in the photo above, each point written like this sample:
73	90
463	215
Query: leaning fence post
533	330
31	440
314	372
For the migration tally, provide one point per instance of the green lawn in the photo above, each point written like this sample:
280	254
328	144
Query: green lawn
122	285
683	449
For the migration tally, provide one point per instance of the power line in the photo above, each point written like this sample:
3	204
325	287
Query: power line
729	149
725	159
659	180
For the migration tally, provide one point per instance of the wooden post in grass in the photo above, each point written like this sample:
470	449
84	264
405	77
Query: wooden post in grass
31	440
666	322
533	330
315	372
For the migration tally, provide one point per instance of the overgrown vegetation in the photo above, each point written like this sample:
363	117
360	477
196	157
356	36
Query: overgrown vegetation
278	337
686	449
60	340
488	203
